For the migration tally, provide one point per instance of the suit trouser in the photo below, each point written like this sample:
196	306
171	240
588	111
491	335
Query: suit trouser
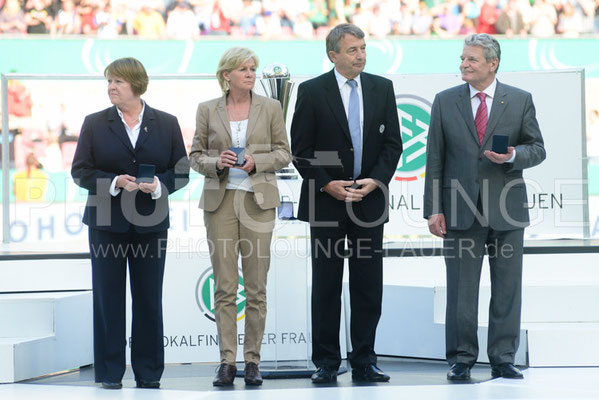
110	254
365	290
240	227
464	251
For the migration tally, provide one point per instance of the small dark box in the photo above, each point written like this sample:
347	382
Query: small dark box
499	144
240	152
145	173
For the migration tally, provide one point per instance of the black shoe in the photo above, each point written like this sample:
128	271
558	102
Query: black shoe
140	383
112	385
369	373
459	372
225	375
324	375
506	370
252	375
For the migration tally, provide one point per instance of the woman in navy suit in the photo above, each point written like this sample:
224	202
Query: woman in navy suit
128	220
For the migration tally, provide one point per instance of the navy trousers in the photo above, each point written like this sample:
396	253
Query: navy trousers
144	254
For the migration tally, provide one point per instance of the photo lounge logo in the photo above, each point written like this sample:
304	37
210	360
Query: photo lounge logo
205	289
414	117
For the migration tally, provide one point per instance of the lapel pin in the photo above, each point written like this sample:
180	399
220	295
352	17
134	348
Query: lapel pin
382	128
502	102
145	129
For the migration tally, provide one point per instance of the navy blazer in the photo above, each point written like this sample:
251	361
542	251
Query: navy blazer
323	150
104	151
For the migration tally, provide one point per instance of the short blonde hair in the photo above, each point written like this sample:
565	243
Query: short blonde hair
132	71
231	59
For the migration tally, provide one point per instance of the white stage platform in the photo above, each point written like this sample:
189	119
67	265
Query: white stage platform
43	333
560	307
538	384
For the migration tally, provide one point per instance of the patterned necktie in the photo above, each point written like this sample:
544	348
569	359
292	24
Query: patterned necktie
353	120
480	121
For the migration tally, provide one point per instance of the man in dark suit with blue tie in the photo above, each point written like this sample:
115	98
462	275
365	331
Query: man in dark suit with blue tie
475	199
346	144
128	218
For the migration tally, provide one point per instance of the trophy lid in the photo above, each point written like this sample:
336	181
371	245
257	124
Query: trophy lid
275	70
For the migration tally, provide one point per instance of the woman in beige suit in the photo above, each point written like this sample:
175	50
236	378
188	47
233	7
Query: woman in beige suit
239	201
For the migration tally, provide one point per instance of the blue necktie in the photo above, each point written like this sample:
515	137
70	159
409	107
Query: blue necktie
353	120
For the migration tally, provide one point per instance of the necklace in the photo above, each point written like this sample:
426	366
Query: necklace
130	121
237	120
125	117
238	112
238	132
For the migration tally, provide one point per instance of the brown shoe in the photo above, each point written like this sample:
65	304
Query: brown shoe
225	375
252	374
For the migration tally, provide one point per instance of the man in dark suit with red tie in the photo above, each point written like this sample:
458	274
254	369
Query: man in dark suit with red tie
475	199
346	144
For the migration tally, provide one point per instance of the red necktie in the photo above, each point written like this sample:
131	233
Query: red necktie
480	121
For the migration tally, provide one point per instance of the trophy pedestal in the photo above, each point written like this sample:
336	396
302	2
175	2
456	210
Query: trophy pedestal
276	84
292	369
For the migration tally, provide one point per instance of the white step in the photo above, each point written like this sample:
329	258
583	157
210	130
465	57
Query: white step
28	315
563	344
22	357
540	303
43	333
413	325
560	309
45	275
408	329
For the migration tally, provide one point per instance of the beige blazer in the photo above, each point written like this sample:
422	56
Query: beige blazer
266	142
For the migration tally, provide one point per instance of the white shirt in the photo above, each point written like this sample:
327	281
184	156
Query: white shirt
475	101
345	90
239	179
133	134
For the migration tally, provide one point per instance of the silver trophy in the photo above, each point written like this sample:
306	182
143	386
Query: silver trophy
276	84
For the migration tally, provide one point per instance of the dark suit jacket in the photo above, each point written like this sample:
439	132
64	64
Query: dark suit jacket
322	147
104	151
457	171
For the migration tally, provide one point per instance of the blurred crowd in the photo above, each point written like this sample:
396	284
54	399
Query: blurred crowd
305	19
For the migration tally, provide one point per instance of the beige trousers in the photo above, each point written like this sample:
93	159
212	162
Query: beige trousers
240	228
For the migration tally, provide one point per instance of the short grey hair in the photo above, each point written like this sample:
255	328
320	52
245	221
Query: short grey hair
230	60
337	33
489	44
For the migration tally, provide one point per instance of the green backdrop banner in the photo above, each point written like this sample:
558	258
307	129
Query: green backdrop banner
403	56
